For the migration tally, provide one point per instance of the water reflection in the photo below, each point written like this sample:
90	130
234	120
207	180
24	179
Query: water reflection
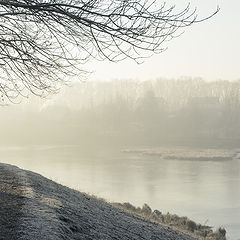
206	191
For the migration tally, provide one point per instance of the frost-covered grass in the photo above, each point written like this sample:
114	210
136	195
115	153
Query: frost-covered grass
34	207
174	221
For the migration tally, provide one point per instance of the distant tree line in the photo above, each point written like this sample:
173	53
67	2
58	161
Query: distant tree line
126	112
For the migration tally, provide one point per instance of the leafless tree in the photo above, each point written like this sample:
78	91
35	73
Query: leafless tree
43	42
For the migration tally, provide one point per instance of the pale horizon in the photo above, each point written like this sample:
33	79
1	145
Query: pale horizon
208	50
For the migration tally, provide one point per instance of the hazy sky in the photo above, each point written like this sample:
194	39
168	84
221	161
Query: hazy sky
209	49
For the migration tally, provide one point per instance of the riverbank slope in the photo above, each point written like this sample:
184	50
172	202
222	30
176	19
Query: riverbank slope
34	207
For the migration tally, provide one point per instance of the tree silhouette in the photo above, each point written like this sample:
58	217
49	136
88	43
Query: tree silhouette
42	42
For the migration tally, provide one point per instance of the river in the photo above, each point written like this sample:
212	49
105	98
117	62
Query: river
206	191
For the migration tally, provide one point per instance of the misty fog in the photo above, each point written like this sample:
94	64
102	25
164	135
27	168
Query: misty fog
173	144
127	113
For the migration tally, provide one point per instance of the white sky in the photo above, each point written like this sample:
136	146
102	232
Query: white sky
209	49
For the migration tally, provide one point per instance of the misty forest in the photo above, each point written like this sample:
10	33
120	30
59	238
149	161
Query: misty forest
130	113
106	133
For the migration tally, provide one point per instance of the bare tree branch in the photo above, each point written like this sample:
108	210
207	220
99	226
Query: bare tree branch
42	42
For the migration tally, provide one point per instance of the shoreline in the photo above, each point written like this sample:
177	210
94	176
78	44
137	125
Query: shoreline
43	209
183	224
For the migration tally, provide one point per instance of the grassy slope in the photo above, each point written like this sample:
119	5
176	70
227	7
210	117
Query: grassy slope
34	207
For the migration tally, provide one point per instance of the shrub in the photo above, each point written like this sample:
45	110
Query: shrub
220	234
146	210
191	225
156	215
129	207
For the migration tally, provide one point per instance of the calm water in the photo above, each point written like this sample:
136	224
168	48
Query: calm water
205	191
